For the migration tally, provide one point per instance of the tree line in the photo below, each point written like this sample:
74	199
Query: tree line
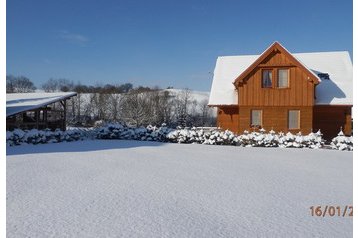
124	103
20	84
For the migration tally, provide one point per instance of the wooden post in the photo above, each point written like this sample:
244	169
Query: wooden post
63	103
348	124
45	117
37	118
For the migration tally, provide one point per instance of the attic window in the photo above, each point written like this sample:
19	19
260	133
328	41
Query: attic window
267	78
282	81
324	76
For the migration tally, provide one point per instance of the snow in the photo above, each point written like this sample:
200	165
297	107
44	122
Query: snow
339	89
336	91
19	102
226	71
147	189
198	96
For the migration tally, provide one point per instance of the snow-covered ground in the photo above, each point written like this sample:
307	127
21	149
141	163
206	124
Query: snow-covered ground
146	189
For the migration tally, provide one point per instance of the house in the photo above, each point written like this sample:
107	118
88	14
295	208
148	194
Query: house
284	92
37	110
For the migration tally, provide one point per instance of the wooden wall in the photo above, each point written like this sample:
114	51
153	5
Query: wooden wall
228	118
330	118
276	118
299	93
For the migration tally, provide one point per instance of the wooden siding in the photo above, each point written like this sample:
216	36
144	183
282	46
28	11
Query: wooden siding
228	118
276	118
330	118
299	93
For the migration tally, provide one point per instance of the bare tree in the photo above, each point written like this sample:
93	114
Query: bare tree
136	109
115	106
19	84
75	109
182	105
55	85
50	85
164	105
205	111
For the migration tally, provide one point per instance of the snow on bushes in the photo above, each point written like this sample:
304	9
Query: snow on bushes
272	139
342	142
259	138
211	137
199	136
119	131
34	136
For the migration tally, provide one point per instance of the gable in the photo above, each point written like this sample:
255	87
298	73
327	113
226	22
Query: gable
276	55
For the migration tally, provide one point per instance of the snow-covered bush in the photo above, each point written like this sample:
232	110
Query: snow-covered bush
258	139
288	140
342	142
34	136
72	135
199	136
99	123
14	137
123	132
181	135
314	140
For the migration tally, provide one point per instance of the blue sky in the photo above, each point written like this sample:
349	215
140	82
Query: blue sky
162	43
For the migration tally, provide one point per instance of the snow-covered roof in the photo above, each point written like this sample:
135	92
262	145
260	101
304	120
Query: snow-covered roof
338	90
20	102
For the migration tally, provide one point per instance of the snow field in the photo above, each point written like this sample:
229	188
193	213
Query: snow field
111	188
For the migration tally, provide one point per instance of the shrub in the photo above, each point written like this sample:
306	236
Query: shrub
342	142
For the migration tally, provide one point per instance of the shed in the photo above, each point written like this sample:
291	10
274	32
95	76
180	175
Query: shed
37	110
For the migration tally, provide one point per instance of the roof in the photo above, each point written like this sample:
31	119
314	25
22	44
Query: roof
336	91
20	102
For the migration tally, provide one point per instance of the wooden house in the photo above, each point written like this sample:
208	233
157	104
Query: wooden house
278	90
37	110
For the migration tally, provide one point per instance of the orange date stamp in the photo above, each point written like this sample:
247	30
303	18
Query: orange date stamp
325	211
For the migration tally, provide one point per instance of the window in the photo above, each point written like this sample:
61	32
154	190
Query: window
266	78
293	119
256	118
282	81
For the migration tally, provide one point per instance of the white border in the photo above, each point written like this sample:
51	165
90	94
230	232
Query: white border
3	118
354	112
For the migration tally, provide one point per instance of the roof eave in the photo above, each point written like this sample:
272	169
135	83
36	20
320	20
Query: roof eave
43	104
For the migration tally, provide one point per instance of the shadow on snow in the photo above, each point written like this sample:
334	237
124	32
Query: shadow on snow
79	146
